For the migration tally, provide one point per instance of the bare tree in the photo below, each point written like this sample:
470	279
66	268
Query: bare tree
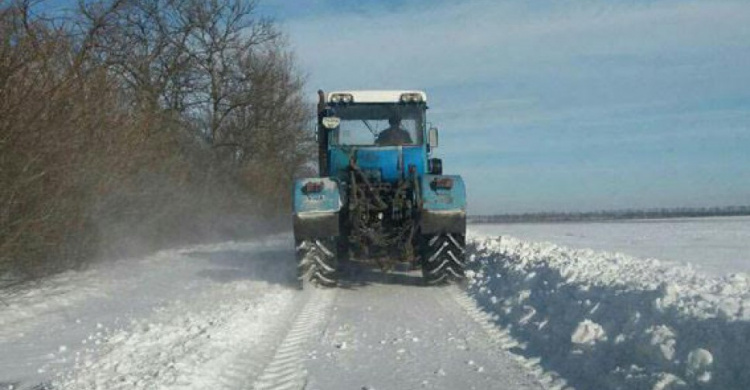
140	124
223	31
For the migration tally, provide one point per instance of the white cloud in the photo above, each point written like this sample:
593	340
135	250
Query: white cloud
481	41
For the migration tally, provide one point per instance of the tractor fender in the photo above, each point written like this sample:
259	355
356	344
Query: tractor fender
317	203
443	204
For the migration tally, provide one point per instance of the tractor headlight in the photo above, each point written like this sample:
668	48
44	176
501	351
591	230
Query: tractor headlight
341	98
442	183
411	98
312	187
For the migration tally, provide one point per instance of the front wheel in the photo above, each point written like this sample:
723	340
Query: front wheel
316	259
443	257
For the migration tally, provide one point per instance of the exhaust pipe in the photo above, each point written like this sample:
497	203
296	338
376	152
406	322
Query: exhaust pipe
322	137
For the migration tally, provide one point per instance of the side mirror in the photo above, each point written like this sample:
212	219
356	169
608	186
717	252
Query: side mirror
432	138
330	122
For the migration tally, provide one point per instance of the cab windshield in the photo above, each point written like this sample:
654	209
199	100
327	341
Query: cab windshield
365	124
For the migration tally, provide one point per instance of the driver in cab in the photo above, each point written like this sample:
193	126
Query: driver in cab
394	135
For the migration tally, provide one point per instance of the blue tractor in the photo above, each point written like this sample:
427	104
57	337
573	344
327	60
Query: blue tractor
380	198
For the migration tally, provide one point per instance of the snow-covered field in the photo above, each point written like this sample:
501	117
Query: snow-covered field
716	245
532	316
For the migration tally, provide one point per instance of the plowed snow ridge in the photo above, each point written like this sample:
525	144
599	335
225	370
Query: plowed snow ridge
607	320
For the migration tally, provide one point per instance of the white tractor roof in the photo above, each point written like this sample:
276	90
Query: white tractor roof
376	96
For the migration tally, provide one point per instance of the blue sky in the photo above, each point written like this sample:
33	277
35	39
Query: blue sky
561	105
554	105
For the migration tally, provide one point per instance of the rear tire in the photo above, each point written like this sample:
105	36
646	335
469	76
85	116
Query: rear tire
443	258
316	260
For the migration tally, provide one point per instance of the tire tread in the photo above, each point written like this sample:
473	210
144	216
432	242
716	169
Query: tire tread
443	258
317	262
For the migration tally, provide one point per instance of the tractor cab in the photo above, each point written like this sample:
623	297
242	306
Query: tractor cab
383	132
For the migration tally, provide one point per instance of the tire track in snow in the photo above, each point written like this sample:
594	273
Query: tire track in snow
502	339
186	346
286	370
245	366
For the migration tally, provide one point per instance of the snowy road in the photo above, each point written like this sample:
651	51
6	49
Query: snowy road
205	316
393	333
228	316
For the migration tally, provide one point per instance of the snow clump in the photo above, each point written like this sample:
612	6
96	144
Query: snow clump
588	333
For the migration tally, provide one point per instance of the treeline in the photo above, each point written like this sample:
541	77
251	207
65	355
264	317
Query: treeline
680	212
131	125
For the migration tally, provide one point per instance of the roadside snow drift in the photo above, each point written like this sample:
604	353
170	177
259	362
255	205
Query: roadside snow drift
607	321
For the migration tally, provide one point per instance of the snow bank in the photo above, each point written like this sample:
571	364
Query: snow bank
607	320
